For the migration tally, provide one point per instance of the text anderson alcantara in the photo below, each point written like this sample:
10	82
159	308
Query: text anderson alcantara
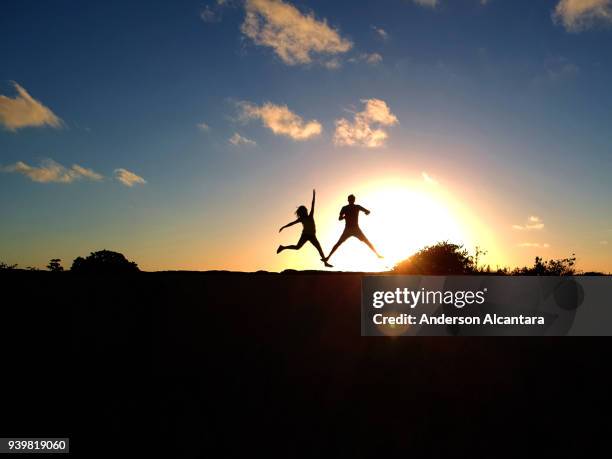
459	299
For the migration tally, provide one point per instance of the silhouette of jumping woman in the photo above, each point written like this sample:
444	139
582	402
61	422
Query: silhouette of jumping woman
350	215
309	231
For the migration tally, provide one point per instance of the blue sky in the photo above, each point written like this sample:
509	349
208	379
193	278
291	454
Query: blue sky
507	104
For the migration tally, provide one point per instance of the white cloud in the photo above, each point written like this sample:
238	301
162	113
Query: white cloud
372	58
25	111
369	58
293	36
128	178
203	127
533	223
367	127
577	15
429	180
333	64
280	120
237	139
49	171
430	3
382	33
535	245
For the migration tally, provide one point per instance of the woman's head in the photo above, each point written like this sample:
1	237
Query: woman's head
301	212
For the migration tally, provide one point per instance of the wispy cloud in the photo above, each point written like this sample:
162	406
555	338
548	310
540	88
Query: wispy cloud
368	126
293	36
430	3
24	111
51	172
210	14
533	223
203	127
213	11
333	64
429	180
372	58
434	3
578	15
382	33
237	139
534	245
556	70
128	178
603	242
368	58
280	120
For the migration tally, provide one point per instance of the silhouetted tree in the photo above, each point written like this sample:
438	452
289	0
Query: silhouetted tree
6	267
104	262
55	265
443	258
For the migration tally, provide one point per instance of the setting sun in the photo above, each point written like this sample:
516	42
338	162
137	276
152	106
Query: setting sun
405	217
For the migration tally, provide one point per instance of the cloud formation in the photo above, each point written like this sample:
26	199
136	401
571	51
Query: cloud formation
128	178
51	172
578	15
280	120
293	36
367	127
372	58
237	139
382	33
25	111
203	127
430	3
533	223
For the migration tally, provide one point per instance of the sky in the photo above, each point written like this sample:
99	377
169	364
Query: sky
184	134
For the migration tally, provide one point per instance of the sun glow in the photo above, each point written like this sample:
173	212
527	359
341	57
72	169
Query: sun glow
405	218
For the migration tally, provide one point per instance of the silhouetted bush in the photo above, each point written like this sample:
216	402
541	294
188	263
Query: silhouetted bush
104	262
6	267
443	258
541	267
55	264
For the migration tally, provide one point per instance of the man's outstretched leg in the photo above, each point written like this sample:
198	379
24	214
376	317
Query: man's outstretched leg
369	244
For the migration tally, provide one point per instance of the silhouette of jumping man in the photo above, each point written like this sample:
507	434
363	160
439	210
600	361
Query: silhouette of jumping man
309	231
350	214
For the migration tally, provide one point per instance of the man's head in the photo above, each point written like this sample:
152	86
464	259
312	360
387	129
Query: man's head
351	199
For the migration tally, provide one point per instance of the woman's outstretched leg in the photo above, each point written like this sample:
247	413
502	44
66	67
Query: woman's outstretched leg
297	246
314	241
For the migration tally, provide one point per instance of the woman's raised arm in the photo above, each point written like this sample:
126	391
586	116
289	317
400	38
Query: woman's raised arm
312	206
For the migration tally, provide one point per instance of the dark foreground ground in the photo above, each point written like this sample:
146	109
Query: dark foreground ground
221	364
